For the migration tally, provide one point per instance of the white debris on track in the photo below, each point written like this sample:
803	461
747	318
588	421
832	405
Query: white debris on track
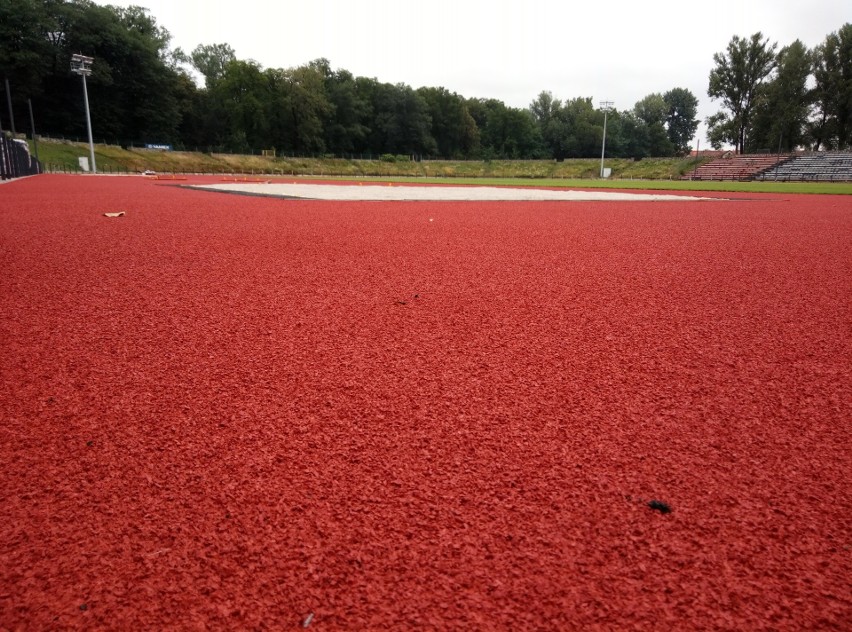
119	214
399	192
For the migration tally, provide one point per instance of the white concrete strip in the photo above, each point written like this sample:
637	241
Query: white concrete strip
399	192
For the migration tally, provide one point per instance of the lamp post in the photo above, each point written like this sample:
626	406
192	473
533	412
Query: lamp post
82	65
605	105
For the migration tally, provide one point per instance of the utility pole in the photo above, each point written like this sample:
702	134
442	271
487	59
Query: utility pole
9	103
778	157
605	105
697	157
32	128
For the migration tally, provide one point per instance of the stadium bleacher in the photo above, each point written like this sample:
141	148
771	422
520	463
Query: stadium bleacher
737	167
828	166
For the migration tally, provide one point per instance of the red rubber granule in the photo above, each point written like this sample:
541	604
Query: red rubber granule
223	412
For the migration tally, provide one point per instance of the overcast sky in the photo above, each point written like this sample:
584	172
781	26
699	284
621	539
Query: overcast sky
617	50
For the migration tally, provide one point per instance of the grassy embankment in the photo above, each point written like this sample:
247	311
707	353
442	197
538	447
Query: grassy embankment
650	173
62	156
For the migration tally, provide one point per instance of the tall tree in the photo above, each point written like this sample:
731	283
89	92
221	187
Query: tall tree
505	132
453	128
681	118
401	124
653	111
630	136
721	130
550	120
572	129
25	48
737	79
211	59
348	124
241	92
150	85
132	89
782	110
580	129
300	107
543	108
832	126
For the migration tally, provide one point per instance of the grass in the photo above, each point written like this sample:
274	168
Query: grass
831	188
650	173
63	155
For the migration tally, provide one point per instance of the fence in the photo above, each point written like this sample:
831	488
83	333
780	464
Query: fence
15	160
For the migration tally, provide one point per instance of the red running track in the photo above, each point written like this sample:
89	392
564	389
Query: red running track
248	413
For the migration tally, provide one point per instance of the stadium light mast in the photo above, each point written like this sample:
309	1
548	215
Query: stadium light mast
82	65
605	105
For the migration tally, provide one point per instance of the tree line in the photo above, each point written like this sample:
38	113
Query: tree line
785	99
142	91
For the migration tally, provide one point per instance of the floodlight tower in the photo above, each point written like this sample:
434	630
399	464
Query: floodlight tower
605	105
82	65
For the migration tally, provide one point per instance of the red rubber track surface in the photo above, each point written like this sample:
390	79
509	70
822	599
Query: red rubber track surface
251	413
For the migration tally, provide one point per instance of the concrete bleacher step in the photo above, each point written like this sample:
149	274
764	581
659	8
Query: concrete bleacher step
738	167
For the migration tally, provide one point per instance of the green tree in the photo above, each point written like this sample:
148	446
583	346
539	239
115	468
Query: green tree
211	60
453	128
653	111
721	130
505	132
25	48
348	125
629	134
148	85
681	118
781	111
241	92
309	106
545	111
543	108
581	128
136	90
737	80
401	123
194	114
139	21
572	129
298	107
132	89
832	124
